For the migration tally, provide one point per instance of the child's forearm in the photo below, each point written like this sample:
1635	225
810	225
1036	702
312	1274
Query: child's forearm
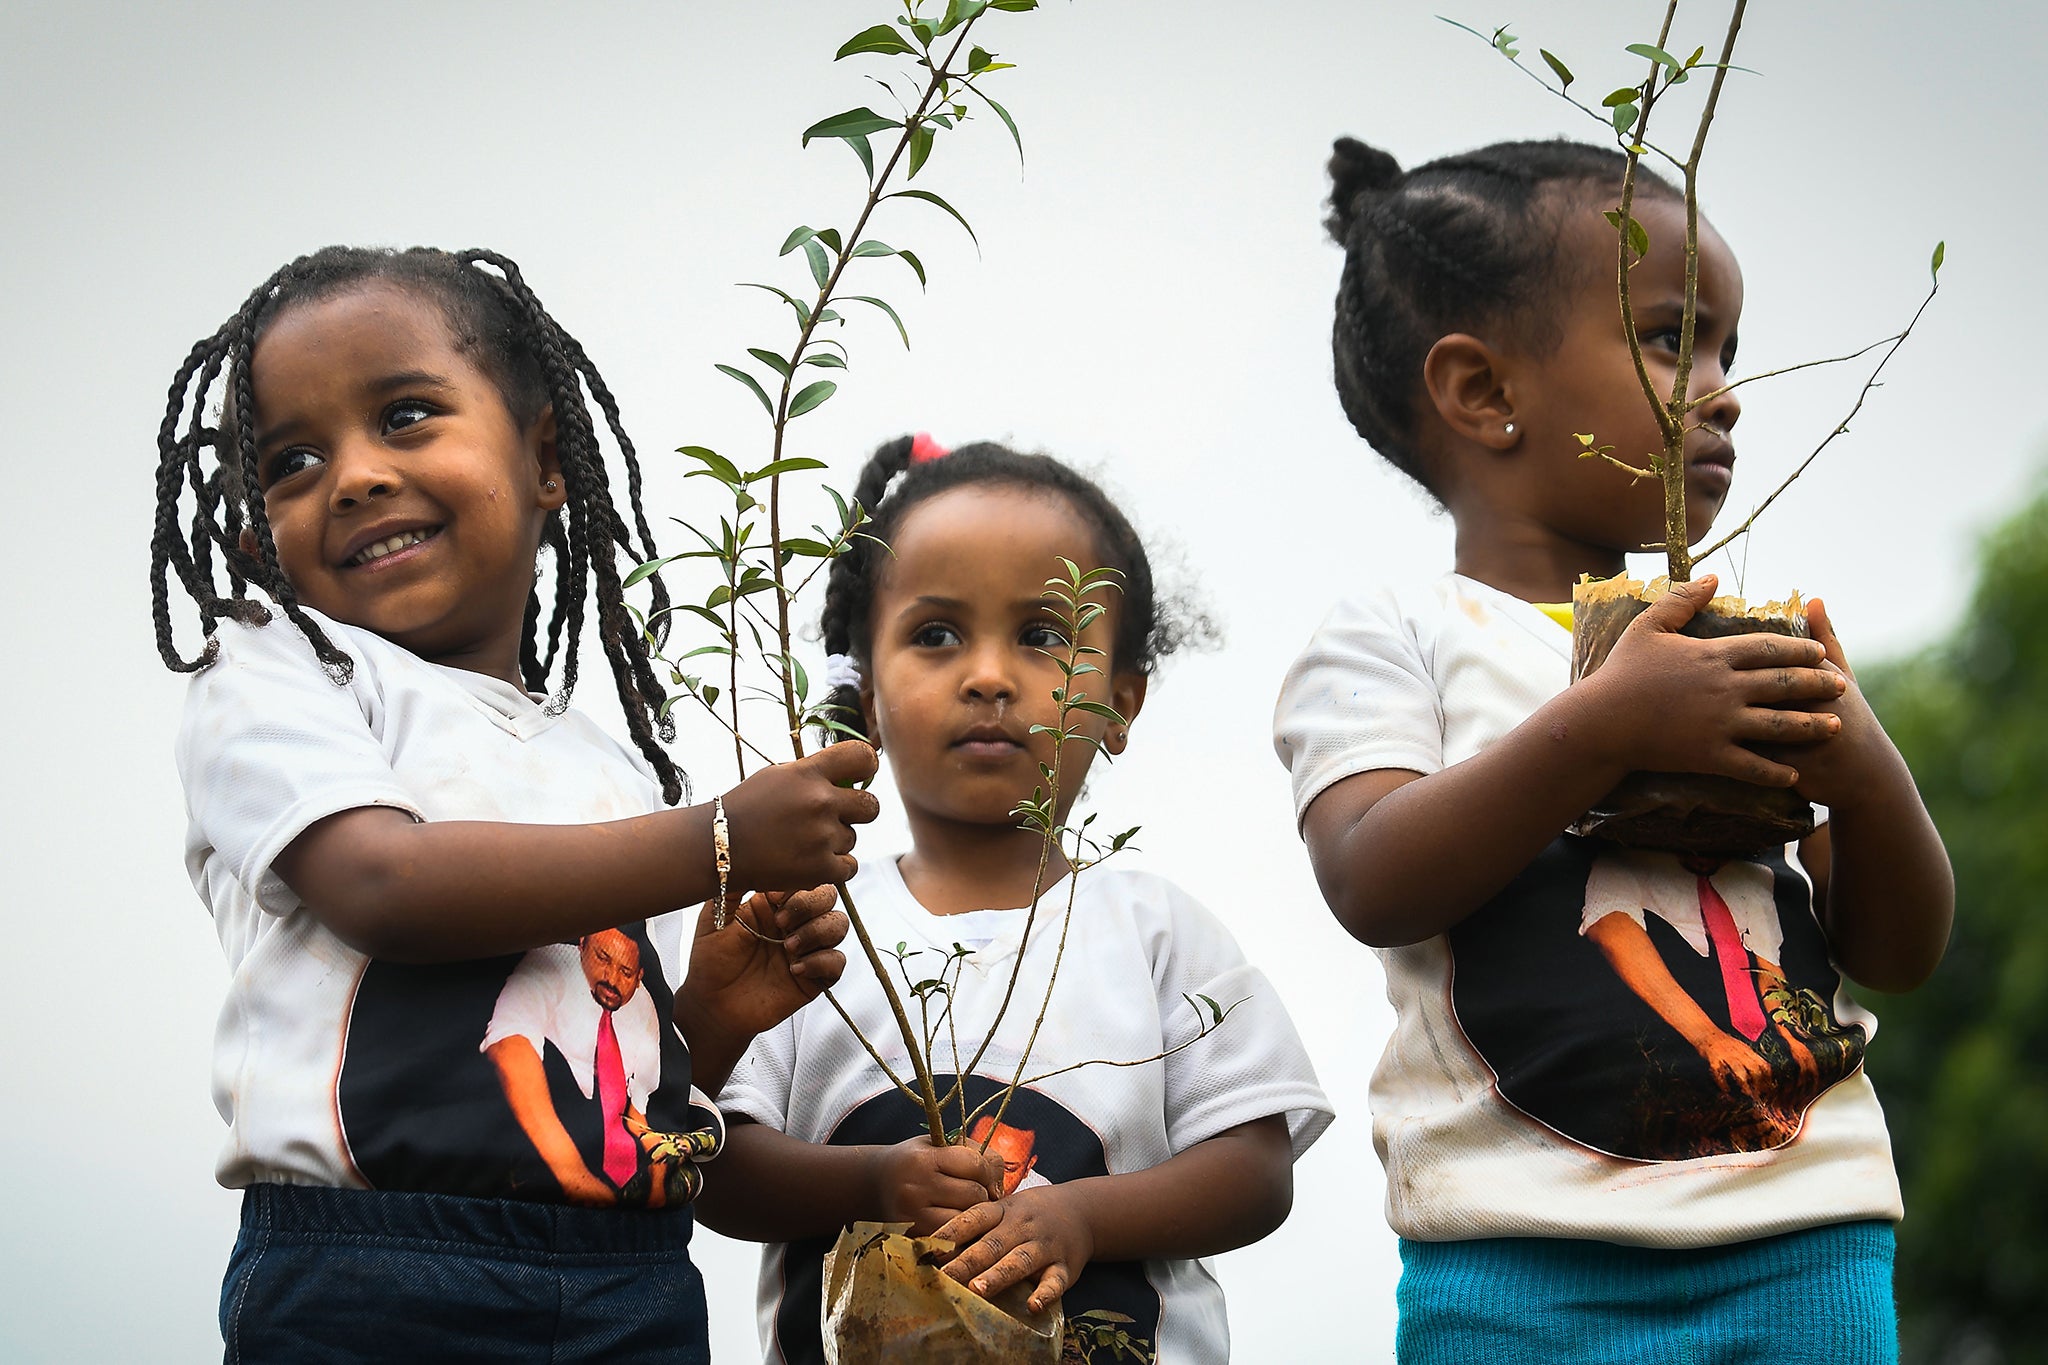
1886	890
406	891
1401	857
1226	1192
767	1186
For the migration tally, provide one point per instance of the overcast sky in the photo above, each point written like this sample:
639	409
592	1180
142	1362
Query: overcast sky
1152	299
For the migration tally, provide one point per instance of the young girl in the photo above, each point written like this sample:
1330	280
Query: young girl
1105	1184
456	1101
1623	1114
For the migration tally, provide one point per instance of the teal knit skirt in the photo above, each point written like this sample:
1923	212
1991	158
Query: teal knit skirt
1819	1295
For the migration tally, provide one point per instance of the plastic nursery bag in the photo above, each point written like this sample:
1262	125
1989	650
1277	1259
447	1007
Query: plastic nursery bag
886	1300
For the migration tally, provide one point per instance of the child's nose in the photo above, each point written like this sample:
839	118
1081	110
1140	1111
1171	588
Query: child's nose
360	471
986	678
1722	409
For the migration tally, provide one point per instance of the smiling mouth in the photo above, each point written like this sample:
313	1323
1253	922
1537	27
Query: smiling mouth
390	545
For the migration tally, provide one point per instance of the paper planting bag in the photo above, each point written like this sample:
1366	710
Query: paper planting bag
886	1300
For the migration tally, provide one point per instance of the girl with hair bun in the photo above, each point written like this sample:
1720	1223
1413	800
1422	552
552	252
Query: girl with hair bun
1102	1186
1623	1113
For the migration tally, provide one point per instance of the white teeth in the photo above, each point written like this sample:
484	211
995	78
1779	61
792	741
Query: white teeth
388	547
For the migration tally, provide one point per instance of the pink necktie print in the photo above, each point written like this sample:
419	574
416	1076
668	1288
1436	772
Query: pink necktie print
621	1153
1745	1015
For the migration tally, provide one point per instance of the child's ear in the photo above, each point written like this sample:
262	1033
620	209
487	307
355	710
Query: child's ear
1127	695
1469	386
553	489
868	723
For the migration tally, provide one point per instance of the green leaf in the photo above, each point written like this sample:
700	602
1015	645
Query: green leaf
810	396
1014	6
915	264
900	329
1624	117
864	152
1638	235
803	310
808	548
978	60
642	572
770	359
796	239
830	237
1626	95
853	123
959	12
931	198
793	465
1940	254
821	265
1564	73
751	383
710	693
720	468
871	247
920	148
1694	59
881	38
1655	54
1008	122
825	360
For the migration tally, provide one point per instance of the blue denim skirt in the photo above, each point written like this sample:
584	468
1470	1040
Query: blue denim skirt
328	1276
1821	1295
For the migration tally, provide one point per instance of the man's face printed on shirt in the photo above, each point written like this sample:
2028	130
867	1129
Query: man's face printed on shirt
611	964
1013	1145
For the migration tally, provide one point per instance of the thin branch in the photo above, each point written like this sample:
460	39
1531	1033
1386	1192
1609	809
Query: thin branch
1839	428
1706	398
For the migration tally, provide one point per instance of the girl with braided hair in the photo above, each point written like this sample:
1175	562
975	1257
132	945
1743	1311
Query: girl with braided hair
1623	1112
458	1052
1102	1186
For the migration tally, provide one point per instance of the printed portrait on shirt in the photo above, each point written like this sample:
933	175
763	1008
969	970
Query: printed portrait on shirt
1040	1142
546	1075
1653	1005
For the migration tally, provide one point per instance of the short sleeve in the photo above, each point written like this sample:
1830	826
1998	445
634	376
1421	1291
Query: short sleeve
525	1007
760	1083
270	744
1250	1065
1360	698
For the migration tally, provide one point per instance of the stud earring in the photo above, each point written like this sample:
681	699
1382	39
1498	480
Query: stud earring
549	485
1508	429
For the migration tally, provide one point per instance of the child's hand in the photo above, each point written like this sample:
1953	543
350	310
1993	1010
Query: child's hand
745	979
1670	703
1036	1232
792	825
925	1185
1861	753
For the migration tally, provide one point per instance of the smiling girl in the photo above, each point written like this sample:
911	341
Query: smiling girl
1102	1185
457	1054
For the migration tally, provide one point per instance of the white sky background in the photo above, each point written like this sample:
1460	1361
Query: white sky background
1153	298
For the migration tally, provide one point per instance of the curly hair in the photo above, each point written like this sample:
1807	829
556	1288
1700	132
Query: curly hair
498	321
892	484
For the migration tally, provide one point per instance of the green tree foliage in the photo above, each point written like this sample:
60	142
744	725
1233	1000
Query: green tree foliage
1962	1064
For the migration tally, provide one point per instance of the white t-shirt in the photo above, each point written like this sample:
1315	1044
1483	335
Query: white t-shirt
1527	1089
1138	948
331	1068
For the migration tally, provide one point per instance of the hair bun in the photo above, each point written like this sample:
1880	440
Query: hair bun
1354	169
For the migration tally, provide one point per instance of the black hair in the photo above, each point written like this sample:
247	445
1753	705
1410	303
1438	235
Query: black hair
891	485
495	319
1460	244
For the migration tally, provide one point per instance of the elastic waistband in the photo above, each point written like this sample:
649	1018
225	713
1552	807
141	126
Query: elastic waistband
315	1213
